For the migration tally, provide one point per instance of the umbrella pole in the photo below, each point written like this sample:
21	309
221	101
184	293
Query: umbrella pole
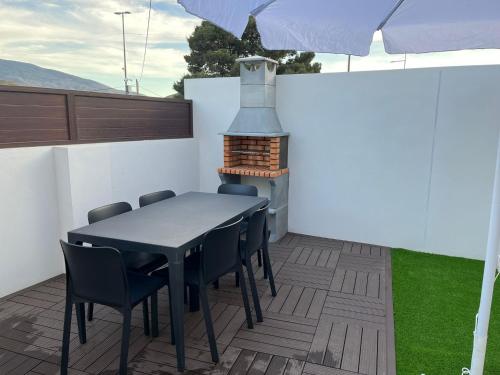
491	261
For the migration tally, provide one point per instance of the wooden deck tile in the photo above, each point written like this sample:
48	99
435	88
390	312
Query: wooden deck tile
330	317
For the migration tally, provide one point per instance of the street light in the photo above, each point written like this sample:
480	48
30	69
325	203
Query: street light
124	50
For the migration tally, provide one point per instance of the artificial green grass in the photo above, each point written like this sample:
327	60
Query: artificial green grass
435	303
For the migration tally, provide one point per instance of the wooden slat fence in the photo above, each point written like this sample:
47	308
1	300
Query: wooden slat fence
37	116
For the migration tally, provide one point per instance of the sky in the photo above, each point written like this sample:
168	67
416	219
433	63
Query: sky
84	38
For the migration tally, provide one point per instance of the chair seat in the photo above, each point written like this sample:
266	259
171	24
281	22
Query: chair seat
143	262
142	286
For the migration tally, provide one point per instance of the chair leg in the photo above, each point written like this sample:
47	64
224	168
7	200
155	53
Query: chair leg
244	295
172	333
68	311
208	323
154	314
259	258
265	267
90	313
127	316
194	298
216	284
267	262
80	317
253	287
237	279
145	316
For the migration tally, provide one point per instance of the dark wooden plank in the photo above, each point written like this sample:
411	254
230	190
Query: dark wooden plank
333	259
243	363
349	282
279	300
294	367
368	356
304	302
361	282
269	349
317	304
314	369
292	300
323	257
232	327
266	338
260	364
335	346
338	280
18	365
277	366
313	258
352	347
320	341
373	286
281	332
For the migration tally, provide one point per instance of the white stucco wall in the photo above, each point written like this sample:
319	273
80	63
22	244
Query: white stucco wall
395	158
97	174
29	232
48	190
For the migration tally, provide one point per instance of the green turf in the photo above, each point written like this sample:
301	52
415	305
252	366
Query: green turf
435	302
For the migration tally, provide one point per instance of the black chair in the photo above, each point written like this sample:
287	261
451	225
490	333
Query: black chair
238	189
98	275
144	263
257	239
242	189
219	254
147	199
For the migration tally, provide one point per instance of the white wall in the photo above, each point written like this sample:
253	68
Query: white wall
395	158
47	191
29	251
97	174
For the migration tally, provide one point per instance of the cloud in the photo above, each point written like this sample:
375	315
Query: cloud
84	37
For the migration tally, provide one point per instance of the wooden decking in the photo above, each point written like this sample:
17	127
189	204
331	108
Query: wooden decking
332	315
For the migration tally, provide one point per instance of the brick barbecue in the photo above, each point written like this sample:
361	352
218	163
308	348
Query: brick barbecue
255	144
255	156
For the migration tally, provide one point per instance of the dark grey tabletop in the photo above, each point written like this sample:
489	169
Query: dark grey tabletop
175	223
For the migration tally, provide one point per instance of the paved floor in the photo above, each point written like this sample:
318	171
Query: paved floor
332	315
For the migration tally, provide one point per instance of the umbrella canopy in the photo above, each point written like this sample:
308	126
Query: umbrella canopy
347	26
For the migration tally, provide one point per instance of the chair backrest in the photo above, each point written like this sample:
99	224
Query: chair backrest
147	199
96	274
110	210
238	189
220	251
255	231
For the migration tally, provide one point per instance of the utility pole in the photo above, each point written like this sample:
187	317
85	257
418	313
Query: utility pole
348	63
124	50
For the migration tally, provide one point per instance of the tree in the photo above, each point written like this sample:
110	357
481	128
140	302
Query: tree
214	53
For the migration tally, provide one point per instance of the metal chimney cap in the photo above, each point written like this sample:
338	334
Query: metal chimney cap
255	59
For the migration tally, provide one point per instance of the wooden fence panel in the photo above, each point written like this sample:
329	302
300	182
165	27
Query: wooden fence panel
102	119
34	116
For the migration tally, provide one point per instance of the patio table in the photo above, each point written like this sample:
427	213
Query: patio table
169	227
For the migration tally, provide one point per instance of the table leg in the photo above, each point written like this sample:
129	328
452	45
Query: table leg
176	290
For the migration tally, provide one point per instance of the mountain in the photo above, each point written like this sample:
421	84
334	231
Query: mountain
24	74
